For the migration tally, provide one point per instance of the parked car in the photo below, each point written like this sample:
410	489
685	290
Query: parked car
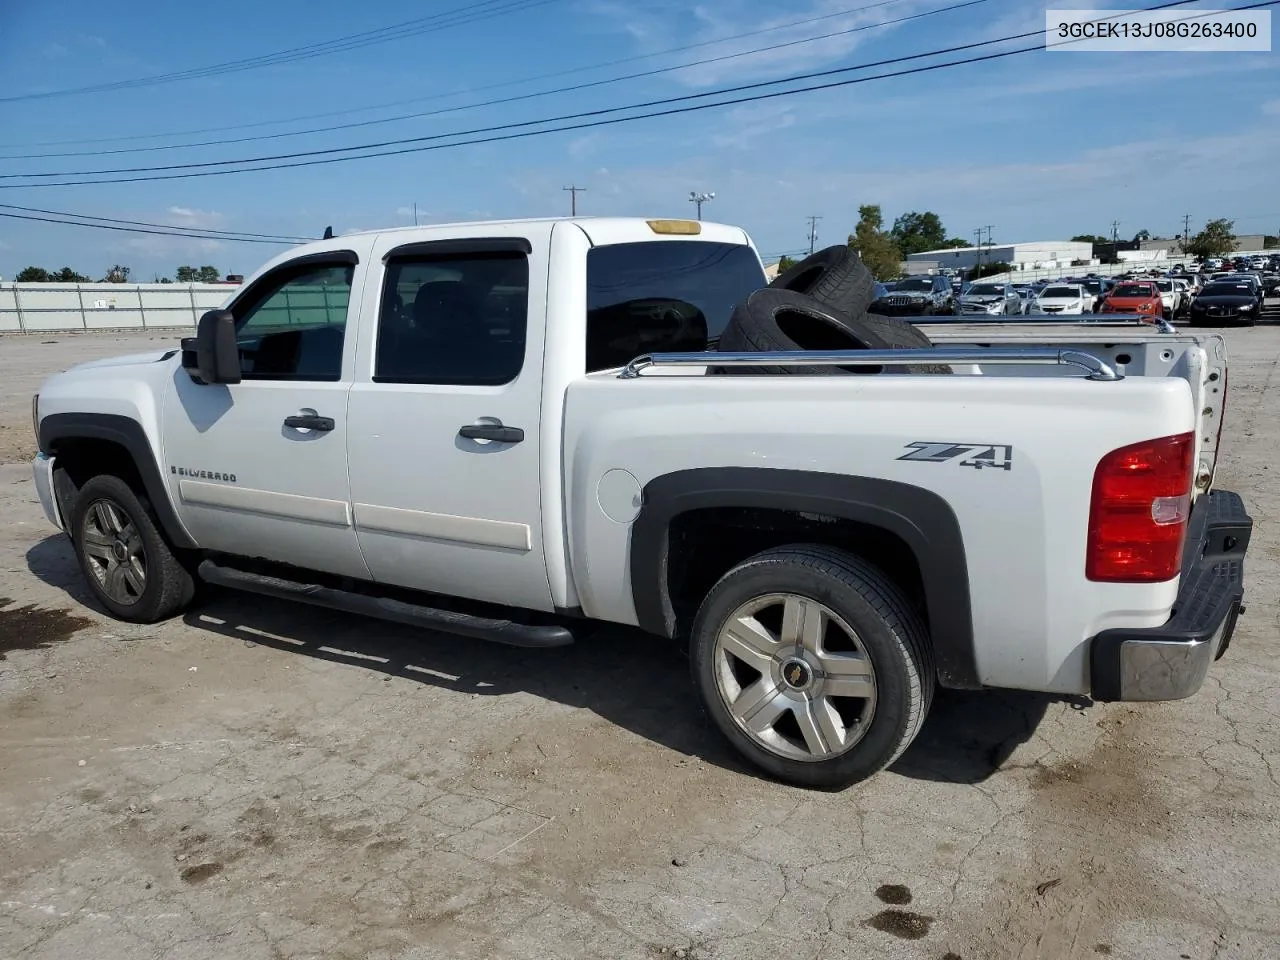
1141	297
1170	297
991	299
917	296
1226	302
1067	299
464	436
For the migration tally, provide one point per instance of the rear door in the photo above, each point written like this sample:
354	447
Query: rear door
443	417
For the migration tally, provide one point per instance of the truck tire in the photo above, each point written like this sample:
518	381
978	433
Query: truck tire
783	320
780	633
127	564
901	334
835	276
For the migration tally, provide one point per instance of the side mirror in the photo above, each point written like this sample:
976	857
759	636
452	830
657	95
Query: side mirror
213	356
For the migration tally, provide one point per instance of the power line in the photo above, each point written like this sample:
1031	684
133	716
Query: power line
163	233
166	226
573	126
458	16
494	86
513	99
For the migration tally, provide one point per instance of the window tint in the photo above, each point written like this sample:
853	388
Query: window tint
664	295
458	319
294	330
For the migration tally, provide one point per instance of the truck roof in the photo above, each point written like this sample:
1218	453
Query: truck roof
598	229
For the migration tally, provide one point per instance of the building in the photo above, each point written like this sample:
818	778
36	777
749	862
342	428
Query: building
1044	255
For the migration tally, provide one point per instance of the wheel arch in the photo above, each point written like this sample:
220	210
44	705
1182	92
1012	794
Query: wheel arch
83	440
918	518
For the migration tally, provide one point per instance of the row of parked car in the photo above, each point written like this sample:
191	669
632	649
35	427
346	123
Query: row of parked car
1191	292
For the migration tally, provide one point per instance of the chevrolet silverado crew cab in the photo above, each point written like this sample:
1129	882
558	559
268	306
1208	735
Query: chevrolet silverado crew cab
506	430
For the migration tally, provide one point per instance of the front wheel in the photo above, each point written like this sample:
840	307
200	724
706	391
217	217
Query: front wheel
813	664
127	564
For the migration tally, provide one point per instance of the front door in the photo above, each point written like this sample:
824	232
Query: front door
259	468
443	439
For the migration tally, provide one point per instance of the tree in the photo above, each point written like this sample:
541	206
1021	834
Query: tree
186	275
1217	238
955	243
1141	235
785	263
874	246
208	274
32	275
1269	242
117	274
1090	238
917	232
67	275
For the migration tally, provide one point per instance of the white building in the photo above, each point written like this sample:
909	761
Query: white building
1044	255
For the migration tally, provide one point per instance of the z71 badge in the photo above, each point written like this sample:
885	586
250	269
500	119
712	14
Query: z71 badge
976	455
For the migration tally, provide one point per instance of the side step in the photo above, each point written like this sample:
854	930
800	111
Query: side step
384	608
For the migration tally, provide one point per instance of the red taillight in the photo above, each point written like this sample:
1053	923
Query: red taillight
1138	511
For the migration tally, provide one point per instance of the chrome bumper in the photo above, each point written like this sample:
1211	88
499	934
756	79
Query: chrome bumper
42	474
1170	662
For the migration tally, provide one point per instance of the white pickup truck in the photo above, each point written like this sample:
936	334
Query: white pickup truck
468	428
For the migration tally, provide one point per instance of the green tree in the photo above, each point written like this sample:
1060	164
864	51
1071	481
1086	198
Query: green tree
874	246
917	232
1269	242
785	263
67	275
1217	238
1090	238
1141	235
32	275
186	274
207	274
117	274
955	243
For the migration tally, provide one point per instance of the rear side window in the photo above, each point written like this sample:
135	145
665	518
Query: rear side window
456	319
666	295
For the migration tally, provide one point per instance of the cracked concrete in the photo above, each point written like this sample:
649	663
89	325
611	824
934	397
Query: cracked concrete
326	787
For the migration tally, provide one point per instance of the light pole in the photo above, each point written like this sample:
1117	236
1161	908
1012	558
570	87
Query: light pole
700	199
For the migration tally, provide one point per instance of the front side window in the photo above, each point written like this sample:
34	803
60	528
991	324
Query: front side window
453	319
294	328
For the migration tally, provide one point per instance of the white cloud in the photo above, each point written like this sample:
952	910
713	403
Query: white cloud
1271	108
190	217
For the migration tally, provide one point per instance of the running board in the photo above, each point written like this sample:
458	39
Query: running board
384	608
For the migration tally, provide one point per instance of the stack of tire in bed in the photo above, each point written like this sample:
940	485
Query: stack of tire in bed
819	304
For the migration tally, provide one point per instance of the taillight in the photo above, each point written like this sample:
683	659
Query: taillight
1138	511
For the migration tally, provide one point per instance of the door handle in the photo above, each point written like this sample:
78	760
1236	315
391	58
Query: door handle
491	431
309	421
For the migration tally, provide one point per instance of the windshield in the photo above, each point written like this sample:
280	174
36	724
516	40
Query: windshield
660	295
1071	293
986	290
1226	290
1165	285
914	285
1132	290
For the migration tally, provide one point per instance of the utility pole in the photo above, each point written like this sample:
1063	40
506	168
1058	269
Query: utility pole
700	199
1115	231
573	198
977	242
1186	231
813	233
415	213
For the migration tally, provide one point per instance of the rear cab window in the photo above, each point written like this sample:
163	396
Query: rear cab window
663	295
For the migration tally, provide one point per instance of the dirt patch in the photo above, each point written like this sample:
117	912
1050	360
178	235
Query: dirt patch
902	923
34	628
16	443
894	893
200	872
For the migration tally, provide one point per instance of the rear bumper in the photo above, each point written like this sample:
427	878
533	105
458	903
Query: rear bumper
1170	662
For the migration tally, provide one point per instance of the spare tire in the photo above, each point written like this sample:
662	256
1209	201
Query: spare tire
835	276
901	334
772	319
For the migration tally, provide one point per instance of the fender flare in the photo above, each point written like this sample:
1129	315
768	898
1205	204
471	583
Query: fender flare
923	520
58	428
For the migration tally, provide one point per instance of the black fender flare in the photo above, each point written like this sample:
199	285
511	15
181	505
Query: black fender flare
923	520
58	428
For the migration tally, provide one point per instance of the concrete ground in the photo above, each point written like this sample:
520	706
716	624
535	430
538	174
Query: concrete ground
261	780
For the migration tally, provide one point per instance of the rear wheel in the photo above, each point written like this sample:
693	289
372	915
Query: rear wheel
127	564
813	664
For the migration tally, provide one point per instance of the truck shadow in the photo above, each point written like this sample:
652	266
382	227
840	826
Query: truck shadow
627	677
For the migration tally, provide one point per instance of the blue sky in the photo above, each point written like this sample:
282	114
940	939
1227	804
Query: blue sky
1042	145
